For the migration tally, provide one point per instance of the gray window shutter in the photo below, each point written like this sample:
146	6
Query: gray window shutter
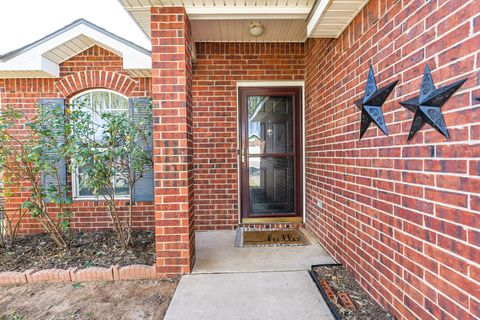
141	114
47	179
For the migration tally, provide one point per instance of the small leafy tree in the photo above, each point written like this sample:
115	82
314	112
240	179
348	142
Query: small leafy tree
115	150
26	155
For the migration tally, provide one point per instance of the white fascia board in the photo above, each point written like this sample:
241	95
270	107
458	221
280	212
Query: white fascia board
50	67
30	62
21	63
133	59
247	12
317	14
237	12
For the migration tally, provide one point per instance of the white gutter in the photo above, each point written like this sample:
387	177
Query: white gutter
250	12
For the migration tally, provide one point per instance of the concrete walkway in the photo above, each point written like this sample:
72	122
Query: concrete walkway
249	283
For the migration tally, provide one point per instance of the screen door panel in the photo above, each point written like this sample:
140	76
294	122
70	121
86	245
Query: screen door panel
269	155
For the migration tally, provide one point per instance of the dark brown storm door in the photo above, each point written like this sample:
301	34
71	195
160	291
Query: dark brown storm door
271	154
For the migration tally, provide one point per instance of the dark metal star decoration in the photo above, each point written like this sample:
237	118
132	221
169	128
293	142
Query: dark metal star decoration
371	104
427	106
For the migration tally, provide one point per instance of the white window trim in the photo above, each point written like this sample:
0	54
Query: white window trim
75	188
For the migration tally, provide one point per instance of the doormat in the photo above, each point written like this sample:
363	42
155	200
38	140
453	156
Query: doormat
269	238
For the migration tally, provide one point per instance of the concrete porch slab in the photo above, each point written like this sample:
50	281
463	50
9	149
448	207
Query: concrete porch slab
216	253
262	295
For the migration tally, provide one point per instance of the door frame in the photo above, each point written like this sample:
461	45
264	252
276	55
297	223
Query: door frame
301	176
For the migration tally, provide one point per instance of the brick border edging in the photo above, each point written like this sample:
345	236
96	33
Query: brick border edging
114	273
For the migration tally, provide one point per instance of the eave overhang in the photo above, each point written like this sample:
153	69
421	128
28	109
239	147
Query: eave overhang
226	21
329	18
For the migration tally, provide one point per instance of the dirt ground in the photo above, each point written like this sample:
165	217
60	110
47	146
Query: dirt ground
145	299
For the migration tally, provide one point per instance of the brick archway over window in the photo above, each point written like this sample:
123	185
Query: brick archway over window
84	80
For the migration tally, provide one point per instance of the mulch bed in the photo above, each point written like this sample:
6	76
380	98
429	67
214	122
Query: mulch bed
341	280
92	249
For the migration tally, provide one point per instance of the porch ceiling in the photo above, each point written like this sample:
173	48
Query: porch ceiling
229	20
292	30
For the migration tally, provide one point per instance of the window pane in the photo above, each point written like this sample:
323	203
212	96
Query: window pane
99	125
270	125
271	185
84	100
119	103
100	102
121	186
83	191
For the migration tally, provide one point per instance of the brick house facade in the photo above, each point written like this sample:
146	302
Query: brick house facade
92	68
403	217
218	68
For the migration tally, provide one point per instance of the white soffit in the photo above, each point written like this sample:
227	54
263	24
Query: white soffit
43	58
228	20
329	18
238	31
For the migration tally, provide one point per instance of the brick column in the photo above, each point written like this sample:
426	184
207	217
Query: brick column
172	129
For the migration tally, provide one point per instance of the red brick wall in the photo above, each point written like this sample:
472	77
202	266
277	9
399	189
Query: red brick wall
215	74
173	145
93	68
95	58
404	217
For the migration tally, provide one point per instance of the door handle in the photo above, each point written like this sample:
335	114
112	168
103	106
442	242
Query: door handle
242	153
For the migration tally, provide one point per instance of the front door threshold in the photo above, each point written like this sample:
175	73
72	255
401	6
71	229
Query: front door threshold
273	220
